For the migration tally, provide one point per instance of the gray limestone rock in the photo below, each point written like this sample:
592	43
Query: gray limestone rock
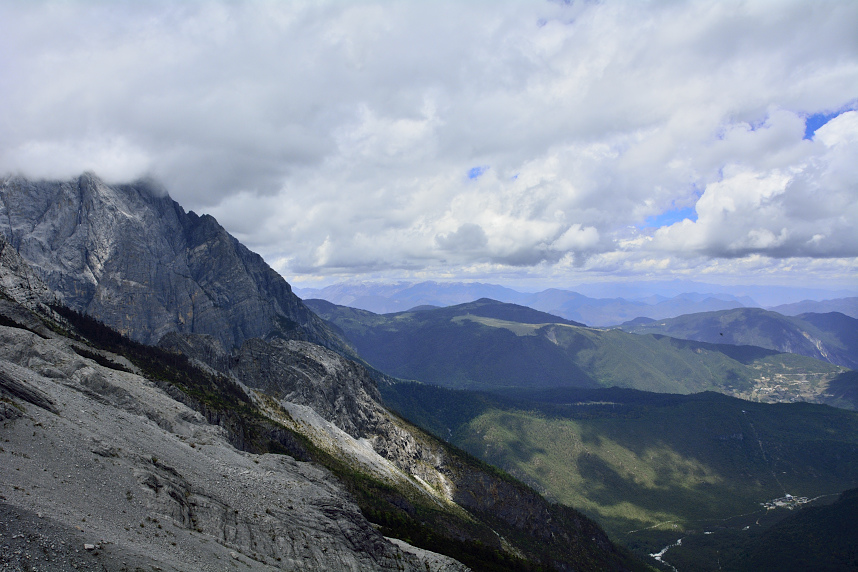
19	282
133	258
119	464
338	389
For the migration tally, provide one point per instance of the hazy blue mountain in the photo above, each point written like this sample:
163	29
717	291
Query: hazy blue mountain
491	345
832	337
603	304
610	311
389	298
848	306
761	295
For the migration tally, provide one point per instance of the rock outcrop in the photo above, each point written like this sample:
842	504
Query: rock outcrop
337	389
131	257
18	281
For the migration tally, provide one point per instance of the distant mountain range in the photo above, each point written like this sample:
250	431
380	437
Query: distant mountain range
490	345
572	305
832	337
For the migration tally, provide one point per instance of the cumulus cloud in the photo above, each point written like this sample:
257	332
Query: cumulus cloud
469	237
471	139
797	199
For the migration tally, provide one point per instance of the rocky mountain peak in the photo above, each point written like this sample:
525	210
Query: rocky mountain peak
133	258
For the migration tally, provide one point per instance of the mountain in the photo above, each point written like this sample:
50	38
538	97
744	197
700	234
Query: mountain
832	337
848	306
749	295
842	391
392	298
94	456
398	297
275	453
103	468
651	468
610	311
131	257
489	345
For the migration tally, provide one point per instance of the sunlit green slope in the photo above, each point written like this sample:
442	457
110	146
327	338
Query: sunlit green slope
636	460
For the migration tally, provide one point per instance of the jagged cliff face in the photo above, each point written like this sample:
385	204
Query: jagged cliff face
19	282
334	389
133	258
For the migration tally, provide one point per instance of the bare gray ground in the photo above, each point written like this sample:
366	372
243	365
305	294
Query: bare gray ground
149	485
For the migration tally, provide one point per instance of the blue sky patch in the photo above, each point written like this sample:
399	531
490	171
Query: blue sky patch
667	218
816	121
476	172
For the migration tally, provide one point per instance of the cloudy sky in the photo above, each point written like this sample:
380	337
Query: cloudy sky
518	142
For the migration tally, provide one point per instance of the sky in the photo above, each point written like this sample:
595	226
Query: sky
524	143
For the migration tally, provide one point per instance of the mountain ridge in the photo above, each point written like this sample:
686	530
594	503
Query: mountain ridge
602	305
830	337
132	257
392	298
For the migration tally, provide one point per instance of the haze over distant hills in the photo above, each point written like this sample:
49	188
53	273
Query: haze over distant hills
595	305
848	306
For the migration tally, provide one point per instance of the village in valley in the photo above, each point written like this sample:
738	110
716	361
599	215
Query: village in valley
786	501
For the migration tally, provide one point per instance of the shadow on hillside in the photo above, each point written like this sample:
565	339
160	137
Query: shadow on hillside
843	390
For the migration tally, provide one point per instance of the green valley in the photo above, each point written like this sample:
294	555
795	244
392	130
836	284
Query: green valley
647	466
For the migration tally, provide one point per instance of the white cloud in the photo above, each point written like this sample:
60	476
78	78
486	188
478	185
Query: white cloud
336	138
576	238
841	130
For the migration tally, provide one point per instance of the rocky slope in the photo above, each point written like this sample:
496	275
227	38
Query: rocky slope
18	281
103	469
426	483
113	459
133	258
